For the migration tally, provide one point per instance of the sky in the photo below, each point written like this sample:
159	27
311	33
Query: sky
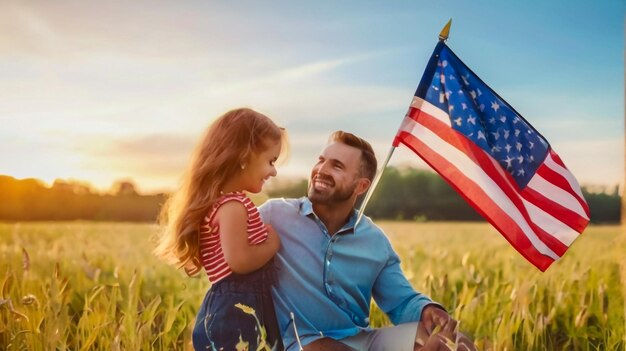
100	91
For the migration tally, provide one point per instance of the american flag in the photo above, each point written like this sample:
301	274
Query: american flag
495	159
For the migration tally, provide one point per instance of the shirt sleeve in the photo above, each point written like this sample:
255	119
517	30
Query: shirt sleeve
394	294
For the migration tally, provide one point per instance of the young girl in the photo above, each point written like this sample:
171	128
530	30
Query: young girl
211	224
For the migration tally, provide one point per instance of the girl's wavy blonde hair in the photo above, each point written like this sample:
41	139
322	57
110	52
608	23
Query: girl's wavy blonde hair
226	145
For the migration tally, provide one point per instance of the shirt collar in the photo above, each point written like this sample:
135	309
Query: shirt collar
306	209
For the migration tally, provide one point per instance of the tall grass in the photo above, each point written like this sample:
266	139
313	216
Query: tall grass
503	302
96	286
86	286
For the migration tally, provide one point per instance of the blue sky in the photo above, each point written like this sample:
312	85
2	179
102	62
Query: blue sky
100	91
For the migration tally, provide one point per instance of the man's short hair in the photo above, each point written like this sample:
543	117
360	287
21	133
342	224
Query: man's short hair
368	158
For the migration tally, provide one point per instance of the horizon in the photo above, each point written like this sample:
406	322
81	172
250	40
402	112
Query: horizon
122	91
274	182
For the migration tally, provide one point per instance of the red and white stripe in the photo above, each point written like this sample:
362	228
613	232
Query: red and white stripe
211	255
541	221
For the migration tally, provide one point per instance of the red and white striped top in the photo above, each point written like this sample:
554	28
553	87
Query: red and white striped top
211	254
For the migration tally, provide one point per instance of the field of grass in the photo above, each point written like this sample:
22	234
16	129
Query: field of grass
95	286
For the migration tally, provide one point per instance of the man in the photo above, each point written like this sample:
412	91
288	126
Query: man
328	271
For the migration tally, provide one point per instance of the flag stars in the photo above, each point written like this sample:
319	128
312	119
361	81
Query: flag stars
484	119
508	161
495	106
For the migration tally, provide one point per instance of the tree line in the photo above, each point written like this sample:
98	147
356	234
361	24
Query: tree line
402	194
415	194
30	200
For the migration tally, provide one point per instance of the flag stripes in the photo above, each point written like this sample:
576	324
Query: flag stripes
540	221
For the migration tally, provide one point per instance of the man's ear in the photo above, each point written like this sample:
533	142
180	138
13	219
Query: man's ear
362	186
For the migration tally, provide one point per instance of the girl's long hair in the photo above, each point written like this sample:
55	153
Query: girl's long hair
226	145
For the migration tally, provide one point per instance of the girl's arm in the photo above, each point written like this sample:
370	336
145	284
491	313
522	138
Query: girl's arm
242	257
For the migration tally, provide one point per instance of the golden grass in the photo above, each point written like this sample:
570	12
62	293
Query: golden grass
96	286
505	303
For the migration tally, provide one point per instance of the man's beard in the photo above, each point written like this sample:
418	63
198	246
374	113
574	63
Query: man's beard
331	196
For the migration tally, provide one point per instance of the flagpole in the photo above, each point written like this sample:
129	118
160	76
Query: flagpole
443	36
373	186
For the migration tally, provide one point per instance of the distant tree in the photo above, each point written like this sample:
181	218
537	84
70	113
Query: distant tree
31	200
604	203
292	189
123	188
410	193
72	186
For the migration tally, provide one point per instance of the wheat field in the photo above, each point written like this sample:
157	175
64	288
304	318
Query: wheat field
96	286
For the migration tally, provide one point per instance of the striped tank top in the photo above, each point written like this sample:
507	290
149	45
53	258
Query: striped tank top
211	254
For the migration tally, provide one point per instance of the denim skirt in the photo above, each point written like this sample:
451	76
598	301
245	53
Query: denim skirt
224	321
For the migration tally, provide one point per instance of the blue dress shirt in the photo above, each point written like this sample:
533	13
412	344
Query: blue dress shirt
327	282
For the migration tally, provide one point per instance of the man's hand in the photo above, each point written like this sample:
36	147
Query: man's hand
433	316
444	340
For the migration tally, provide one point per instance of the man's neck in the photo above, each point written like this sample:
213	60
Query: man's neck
333	216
